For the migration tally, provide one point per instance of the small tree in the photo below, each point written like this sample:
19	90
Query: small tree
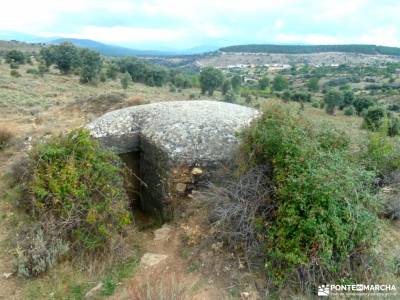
90	65
112	70
394	126
66	57
226	87
348	99
280	83
126	78
103	77
15	56
47	55
349	111
374	117
236	82
15	73
263	83
362	103
313	84
332	99
210	80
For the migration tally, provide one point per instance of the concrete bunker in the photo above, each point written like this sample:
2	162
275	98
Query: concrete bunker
172	146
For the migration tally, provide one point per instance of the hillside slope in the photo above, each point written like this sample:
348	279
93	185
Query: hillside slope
304	49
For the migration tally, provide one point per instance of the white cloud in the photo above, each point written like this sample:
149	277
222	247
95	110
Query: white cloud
278	24
32	16
195	21
386	36
204	9
335	10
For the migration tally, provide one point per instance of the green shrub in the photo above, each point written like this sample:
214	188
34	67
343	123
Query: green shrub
315	104
15	56
280	83
394	126
42	68
349	111
324	216
15	73
362	103
382	153
374	118
231	97
70	179
125	79
172	88
332	100
14	66
102	77
32	71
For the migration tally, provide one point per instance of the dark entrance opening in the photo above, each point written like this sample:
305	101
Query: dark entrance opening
137	191
132	178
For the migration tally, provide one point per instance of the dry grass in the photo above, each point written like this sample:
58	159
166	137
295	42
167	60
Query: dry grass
36	106
158	286
32	92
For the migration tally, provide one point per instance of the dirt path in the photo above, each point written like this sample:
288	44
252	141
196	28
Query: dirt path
8	285
164	274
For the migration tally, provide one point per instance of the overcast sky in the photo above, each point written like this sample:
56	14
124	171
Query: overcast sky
190	23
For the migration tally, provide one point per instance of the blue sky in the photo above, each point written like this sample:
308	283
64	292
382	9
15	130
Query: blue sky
178	24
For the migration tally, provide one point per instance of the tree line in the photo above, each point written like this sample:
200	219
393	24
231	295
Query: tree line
92	67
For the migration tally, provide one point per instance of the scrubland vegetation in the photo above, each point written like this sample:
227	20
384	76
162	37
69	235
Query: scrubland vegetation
309	204
323	212
314	199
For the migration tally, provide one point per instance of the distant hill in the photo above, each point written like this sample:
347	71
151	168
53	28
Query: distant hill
105	49
304	49
109	50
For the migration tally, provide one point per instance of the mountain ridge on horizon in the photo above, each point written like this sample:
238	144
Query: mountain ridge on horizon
105	48
115	50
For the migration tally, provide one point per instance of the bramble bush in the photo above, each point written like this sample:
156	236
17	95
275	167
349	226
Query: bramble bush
78	185
325	218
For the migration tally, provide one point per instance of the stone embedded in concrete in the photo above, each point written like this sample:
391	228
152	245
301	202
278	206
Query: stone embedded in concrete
179	142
